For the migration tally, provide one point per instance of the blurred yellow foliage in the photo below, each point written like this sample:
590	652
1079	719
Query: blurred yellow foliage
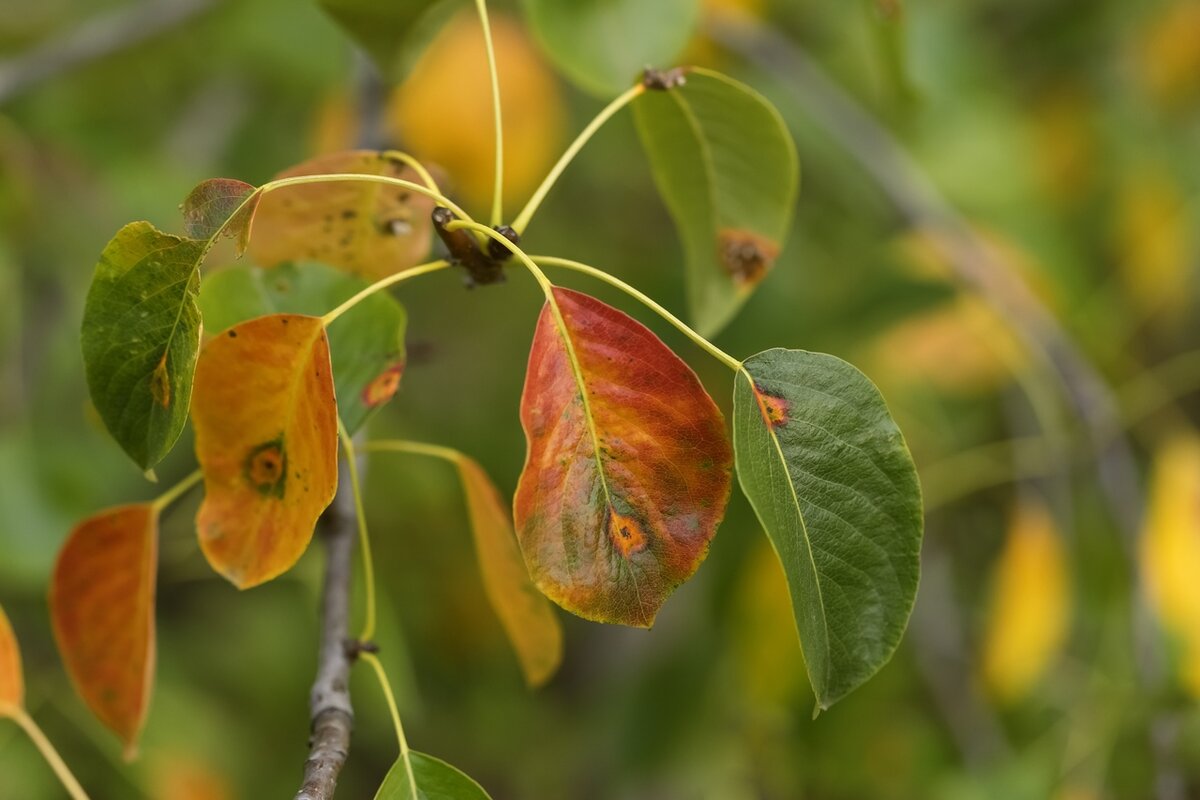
1152	240
767	649
1031	604
1168	53
1170	549
1064	144
180	777
443	112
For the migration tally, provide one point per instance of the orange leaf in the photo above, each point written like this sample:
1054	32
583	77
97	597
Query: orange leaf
12	687
365	228
102	608
527	618
265	418
628	468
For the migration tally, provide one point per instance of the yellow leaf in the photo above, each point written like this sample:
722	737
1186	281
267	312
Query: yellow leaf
1152	242
184	777
525	613
265	418
443	112
1168	54
102	608
1170	549
12	685
365	228
1031	604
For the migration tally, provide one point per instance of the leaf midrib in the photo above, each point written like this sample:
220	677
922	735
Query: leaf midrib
803	524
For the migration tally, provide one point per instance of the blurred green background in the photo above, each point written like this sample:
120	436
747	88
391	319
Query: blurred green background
1055	649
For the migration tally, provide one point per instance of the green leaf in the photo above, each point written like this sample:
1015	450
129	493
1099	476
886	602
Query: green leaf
434	780
393	32
726	166
366	343
140	338
603	45
832	482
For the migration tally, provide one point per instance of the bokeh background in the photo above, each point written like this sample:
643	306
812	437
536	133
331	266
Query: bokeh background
1055	648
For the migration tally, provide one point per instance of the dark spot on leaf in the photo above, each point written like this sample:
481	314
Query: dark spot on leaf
265	467
773	407
349	213
233	334
626	533
160	383
745	256
383	386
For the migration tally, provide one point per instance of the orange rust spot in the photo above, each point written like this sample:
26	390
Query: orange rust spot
626	533
745	256
160	383
383	386
774	408
266	467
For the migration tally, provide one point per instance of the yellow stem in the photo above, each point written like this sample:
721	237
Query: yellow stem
645	300
416	167
522	220
383	283
377	665
418	448
175	492
334	177
497	193
50	754
368	630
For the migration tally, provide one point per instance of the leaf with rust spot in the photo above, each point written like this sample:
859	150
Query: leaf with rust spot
266	437
726	166
527	617
831	479
102	608
12	685
366	343
221	205
140	337
365	228
628	467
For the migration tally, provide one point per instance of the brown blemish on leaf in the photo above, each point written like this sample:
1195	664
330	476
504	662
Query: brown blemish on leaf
774	408
626	533
745	256
160	383
265	467
383	387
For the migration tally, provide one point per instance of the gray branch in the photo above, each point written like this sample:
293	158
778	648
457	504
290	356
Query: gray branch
332	715
94	39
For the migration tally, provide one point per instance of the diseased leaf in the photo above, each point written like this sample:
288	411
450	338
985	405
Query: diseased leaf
365	228
12	684
832	482
628	467
1031	602
602	45
366	343
527	617
726	167
211	206
266	437
102	608
1169	549
140	337
433	778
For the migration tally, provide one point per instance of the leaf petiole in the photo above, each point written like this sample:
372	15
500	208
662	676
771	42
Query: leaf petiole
368	630
381	674
300	180
416	448
48	752
383	283
645	300
497	192
175	492
416	167
622	100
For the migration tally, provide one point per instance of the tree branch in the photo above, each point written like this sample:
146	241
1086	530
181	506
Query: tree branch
94	39
332	714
